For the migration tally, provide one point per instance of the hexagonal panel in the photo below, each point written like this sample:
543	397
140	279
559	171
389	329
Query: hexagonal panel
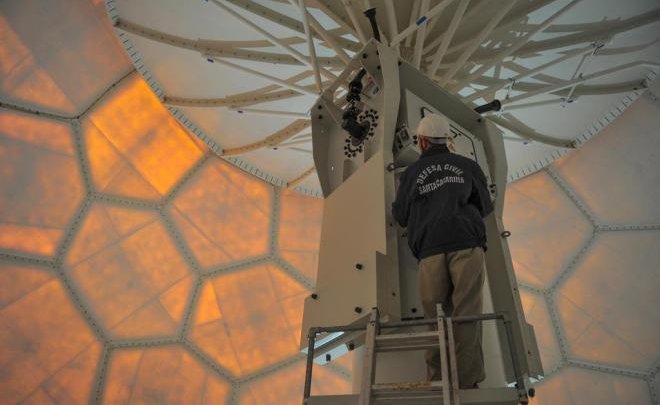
130	272
64	68
224	214
285	387
546	229
299	231
40	186
609	306
611	173
135	142
46	347
574	386
250	318
537	314
161	375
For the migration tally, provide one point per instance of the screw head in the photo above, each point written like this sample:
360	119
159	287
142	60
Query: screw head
359	266
358	310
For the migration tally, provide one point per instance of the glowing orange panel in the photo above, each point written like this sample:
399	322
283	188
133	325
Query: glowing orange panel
143	132
249	319
300	231
536	313
161	375
21	77
17	281
546	228
572	386
43	340
112	173
40	186
224	214
130	271
608	305
286	386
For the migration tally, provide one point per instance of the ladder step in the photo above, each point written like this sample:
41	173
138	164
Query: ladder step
408	390
406	341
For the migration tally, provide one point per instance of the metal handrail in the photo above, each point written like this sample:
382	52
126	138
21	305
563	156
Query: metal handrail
502	316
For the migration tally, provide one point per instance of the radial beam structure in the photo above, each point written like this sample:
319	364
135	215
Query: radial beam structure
478	58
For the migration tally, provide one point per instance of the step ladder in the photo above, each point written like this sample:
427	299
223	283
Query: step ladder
375	342
445	392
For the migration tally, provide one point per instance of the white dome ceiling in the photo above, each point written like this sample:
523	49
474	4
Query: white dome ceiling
609	47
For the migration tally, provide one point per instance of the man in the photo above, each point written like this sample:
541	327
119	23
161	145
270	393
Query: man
442	200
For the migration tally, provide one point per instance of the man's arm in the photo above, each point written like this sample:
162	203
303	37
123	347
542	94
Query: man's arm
480	196
401	206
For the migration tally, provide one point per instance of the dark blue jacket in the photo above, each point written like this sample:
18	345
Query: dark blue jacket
442	200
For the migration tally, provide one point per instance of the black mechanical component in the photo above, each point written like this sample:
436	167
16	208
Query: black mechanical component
350	122
494	105
371	15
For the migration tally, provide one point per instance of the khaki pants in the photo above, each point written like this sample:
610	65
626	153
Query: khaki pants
456	281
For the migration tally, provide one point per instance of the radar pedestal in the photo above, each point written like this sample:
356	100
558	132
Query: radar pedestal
361	145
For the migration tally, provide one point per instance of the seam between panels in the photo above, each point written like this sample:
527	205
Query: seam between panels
271	369
559	332
185	178
126	202
295	273
237	266
607	369
572	264
207	361
26	258
275	220
570	193
100	376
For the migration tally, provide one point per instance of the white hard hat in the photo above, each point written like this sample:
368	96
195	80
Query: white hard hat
434	126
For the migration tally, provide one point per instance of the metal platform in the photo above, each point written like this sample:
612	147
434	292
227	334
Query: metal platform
422	393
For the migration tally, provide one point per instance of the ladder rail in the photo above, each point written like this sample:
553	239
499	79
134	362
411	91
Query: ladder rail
368	372
444	369
452	361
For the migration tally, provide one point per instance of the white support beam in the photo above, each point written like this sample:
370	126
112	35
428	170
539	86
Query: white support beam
421	36
320	4
275	138
220	48
414	14
271	113
294	182
348	6
423	19
273	79
571	54
476	42
310	62
514	47
391	21
329	39
534	104
530	134
310	46
582	79
448	36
